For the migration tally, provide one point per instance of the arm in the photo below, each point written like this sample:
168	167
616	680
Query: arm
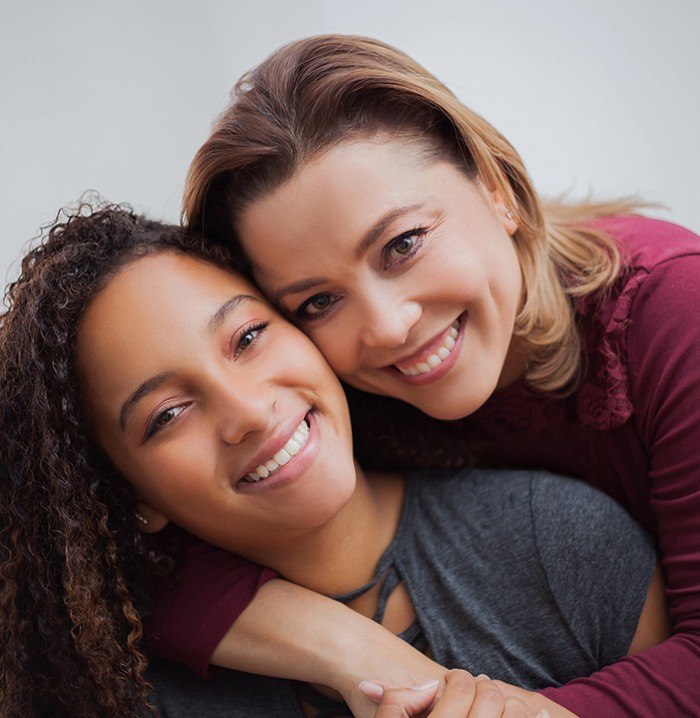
281	633
229	612
663	351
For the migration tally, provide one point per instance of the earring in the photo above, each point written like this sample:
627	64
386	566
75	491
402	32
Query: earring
143	520
509	214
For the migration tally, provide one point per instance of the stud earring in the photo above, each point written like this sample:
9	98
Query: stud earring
143	520
509	214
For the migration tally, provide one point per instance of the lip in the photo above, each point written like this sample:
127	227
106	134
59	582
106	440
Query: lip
295	467
425	350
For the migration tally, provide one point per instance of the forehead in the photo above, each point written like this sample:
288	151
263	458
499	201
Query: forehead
149	308
339	174
336	196
156	284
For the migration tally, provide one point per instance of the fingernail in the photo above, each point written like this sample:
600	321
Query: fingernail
544	713
483	677
371	690
425	685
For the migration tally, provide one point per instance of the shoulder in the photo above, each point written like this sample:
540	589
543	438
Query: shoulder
445	512
571	517
659	279
645	242
597	561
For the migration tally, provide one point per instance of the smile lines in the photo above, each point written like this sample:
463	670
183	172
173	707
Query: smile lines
436	358
283	456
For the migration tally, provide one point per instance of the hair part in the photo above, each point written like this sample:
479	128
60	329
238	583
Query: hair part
74	568
314	94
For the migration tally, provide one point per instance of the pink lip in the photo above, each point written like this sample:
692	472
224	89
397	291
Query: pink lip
294	468
424	352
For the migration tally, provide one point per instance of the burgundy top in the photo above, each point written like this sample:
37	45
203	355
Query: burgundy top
632	429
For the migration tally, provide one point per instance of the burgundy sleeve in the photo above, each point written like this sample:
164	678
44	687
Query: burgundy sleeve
193	613
663	351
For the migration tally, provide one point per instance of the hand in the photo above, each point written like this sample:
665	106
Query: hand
464	697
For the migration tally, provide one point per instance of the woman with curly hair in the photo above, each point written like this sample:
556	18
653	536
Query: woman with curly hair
149	394
74	567
402	233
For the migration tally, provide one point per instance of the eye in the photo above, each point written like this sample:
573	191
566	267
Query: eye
164	417
403	247
315	306
248	337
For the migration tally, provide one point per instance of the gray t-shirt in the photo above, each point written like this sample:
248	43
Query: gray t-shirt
528	577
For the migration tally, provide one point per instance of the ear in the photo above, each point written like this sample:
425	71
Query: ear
506	209
149	520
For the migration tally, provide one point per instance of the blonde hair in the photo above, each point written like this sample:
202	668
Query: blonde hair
316	93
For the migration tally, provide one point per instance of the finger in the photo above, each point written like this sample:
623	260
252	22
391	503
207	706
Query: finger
457	698
489	701
515	708
401	702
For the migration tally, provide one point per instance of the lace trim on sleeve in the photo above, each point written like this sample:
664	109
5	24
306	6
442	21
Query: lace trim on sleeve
604	400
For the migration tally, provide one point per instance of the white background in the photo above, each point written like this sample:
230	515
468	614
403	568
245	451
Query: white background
598	96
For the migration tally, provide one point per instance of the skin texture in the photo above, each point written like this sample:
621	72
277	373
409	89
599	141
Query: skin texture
442	249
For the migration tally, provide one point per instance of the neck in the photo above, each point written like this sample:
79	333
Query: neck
342	554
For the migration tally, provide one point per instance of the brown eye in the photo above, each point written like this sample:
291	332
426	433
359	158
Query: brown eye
163	418
404	245
321	302
249	336
316	306
247	339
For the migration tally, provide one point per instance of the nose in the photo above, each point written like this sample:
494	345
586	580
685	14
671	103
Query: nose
387	320
244	409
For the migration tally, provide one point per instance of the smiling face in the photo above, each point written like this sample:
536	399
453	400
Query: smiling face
196	389
401	269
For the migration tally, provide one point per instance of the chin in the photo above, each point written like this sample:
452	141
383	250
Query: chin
454	406
332	492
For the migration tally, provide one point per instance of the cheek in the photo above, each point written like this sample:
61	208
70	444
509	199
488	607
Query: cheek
335	340
172	475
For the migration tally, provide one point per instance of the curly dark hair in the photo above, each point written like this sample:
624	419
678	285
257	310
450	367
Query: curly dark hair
74	569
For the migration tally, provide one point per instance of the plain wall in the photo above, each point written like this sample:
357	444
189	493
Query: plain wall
597	95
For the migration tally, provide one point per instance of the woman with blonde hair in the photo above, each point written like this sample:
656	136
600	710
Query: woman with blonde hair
144	384
401	231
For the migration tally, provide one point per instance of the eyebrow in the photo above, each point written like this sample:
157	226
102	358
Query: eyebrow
157	381
217	319
364	245
146	388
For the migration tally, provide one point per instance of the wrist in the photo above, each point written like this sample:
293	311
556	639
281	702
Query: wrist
371	652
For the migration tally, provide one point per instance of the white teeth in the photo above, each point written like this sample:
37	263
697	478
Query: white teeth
434	360
284	455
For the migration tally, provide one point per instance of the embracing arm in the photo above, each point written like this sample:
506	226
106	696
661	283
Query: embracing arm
290	632
231	613
663	351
